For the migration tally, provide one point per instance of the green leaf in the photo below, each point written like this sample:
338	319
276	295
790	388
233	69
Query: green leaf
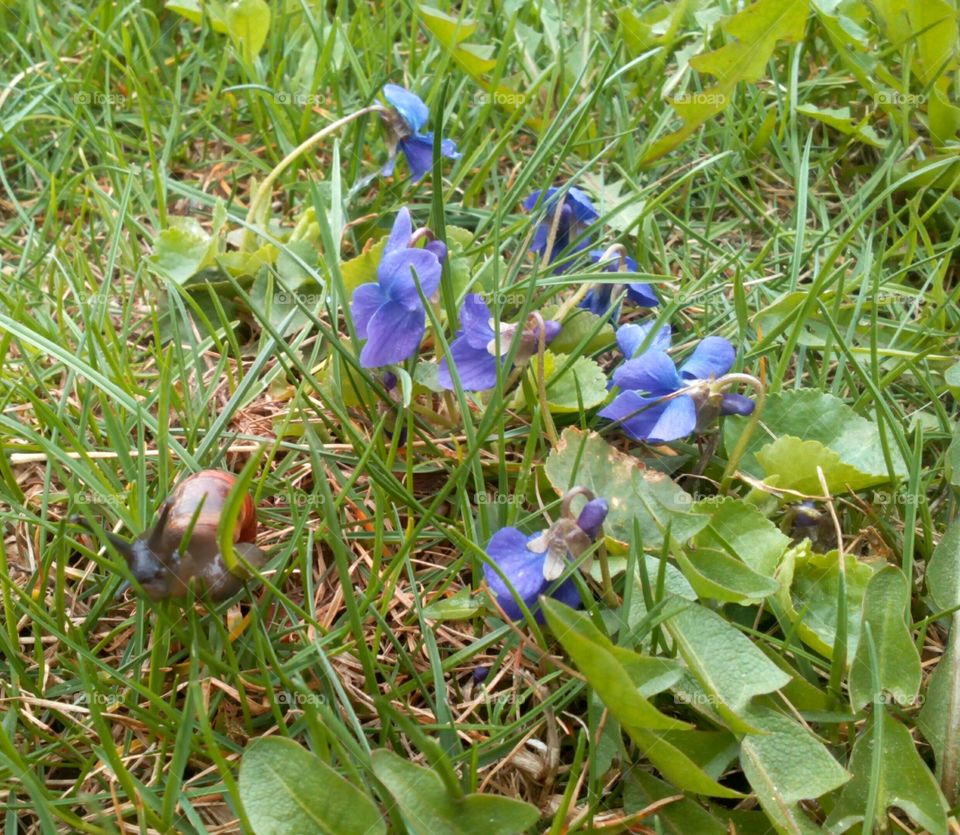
847	447
716	575
190	9
248	22
183	249
633	491
585	374
576	328
459	606
898	775
785	764
725	662
808	597
675	765
754	33
941	703
885	607
742	531
284	788
428	808
943	571
951	464
363	268
604	669
840	119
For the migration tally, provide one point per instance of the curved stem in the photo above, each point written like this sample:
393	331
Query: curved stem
265	189
566	508
741	446
548	424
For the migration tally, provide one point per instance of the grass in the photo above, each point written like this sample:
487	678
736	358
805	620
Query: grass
824	260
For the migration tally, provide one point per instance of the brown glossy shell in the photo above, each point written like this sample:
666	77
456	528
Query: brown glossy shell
215	485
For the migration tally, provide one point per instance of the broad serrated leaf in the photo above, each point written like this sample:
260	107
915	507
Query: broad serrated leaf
633	491
725	662
562	386
182	250
754	34
363	268
429	809
809	415
285	788
897	773
885	607
577	327
807	599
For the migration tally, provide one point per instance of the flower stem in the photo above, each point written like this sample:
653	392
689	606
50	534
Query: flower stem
609	595
741	446
614	251
548	423
262	196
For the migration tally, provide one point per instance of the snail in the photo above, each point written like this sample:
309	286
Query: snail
164	570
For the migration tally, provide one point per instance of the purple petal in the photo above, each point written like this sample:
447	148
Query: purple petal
367	299
652	373
476	367
651	419
395	275
531	201
393	335
678	420
475	319
642	294
438	248
631	337
712	358
612	264
590	520
582	206
539	242
551	329
390	164
408	105
736	404
419	153
401	231
524	569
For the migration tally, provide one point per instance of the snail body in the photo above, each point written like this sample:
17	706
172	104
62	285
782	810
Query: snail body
166	565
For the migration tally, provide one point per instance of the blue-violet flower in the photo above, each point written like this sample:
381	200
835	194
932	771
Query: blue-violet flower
404	124
389	313
576	214
473	350
532	562
597	301
660	403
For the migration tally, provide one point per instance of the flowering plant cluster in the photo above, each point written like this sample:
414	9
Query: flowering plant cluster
649	397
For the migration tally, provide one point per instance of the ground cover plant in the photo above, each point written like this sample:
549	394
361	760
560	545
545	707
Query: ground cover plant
590	372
